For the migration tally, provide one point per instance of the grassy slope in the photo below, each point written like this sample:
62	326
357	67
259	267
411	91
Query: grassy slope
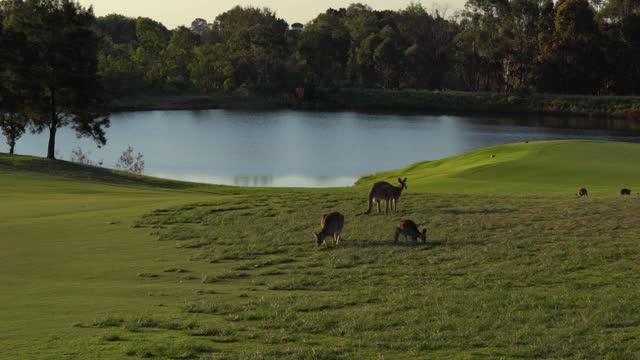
545	167
67	245
502	276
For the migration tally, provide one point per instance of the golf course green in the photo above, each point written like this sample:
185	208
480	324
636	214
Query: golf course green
102	264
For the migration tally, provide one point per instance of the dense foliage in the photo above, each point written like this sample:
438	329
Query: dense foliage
492	45
49	70
56	58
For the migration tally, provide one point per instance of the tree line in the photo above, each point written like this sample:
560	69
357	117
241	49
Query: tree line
59	64
572	46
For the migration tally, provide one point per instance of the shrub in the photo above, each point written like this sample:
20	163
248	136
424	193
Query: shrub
130	163
81	157
228	85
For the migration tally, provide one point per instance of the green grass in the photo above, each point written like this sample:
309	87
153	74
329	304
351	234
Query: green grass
514	265
543	168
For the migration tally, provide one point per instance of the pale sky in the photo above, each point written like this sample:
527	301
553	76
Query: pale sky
173	13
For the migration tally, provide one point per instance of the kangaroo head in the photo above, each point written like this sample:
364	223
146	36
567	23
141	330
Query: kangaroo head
403	183
319	237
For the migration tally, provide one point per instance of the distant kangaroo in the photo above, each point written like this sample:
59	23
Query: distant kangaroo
625	191
332	224
410	230
382	190
582	192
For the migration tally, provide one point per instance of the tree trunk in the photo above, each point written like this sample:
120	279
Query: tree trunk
51	151
53	127
12	146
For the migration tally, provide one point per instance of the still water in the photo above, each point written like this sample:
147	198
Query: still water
303	149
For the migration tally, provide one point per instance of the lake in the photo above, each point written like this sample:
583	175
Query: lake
304	149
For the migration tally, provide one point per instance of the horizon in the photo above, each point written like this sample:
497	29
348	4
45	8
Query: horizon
301	11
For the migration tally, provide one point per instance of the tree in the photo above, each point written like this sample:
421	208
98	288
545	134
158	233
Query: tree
527	18
14	62
483	43
571	60
367	74
324	47
387	57
118	70
176	58
200	26
152	41
621	27
13	126
428	43
362	22
210	67
120	29
63	82
256	41
617	10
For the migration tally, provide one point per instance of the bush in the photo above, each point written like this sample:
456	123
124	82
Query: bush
81	157
129	163
228	85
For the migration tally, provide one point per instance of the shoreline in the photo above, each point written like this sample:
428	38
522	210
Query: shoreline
401	101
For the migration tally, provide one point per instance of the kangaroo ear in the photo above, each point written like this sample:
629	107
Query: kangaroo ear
405	180
399	180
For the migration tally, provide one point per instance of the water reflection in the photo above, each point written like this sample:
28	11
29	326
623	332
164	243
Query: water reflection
267	181
309	149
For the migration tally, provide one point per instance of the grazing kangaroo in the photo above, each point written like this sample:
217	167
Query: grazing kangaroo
332	224
410	230
625	191
582	192
382	190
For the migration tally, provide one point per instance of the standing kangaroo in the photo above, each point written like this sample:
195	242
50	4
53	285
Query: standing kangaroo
332	224
410	230
382	190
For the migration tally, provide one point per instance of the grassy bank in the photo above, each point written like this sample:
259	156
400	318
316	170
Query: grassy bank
101	264
534	168
618	107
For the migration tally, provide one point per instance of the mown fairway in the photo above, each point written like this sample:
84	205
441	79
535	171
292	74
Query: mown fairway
100	265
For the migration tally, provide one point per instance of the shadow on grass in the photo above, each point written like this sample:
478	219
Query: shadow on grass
400	243
77	171
479	212
455	245
378	243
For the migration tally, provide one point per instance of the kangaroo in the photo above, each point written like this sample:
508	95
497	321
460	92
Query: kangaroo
332	224
410	230
382	190
582	192
625	192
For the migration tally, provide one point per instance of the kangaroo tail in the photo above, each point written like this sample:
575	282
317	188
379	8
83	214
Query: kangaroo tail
370	206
